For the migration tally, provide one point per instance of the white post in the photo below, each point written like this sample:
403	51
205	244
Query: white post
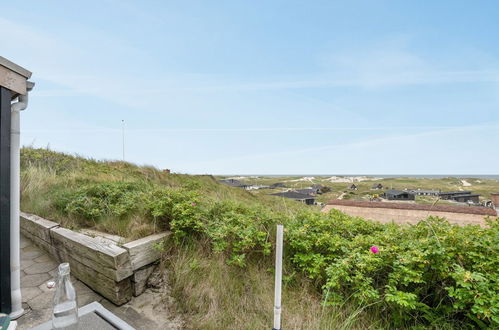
278	279
15	263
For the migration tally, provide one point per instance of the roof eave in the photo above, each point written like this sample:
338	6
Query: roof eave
15	68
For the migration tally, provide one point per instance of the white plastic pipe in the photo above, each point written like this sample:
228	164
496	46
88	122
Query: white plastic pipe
15	247
278	278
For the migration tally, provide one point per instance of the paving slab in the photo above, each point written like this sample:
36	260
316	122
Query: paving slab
25	263
53	273
33	317
34	280
30	293
41	301
30	252
43	258
40	267
24	242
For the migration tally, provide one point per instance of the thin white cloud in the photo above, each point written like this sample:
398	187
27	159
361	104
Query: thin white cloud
368	81
83	71
368	142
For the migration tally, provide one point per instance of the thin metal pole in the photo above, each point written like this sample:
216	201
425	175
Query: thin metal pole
123	137
278	278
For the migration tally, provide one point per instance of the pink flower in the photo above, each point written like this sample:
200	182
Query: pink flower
193	204
374	249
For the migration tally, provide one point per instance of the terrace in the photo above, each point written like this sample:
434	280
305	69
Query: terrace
146	311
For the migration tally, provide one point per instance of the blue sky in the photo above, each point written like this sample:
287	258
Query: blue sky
264	87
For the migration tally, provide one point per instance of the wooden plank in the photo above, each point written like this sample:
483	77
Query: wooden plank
139	279
142	251
5	302
119	292
37	226
109	260
103	237
12	80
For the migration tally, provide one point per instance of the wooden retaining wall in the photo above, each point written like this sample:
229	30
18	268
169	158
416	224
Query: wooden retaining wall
116	272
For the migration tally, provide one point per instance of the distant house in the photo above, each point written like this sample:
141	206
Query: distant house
398	195
234	183
277	185
307	191
306	199
321	189
377	186
256	187
467	198
424	192
450	194
353	186
463	196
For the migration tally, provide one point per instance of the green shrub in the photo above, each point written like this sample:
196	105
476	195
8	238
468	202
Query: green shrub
232	228
96	200
429	271
433	272
177	210
239	230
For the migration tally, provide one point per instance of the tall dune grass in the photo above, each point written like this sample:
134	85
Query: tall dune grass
46	174
215	295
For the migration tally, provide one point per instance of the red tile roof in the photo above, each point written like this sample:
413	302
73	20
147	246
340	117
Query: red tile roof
410	206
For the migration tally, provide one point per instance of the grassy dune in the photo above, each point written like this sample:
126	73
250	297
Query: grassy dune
211	293
431	275
46	176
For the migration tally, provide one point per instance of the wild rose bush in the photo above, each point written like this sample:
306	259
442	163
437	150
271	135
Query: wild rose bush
232	228
239	230
430	271
174	209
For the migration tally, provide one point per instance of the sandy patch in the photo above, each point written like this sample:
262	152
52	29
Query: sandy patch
465	183
350	179
305	178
